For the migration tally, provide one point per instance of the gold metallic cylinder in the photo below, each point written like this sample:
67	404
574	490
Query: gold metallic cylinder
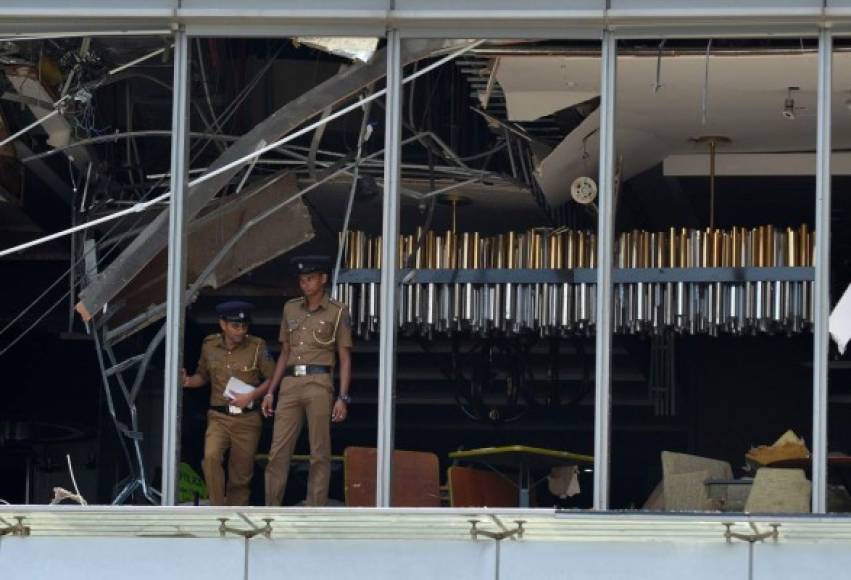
634	248
592	250
552	254
365	246
570	251
499	252
716	248
726	250
803	245
464	251
791	257
705	249
672	256
769	246
419	248
355	251
735	240
475	251
539	250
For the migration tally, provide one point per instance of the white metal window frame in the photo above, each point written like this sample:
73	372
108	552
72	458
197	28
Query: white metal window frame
609	37
482	18
431	18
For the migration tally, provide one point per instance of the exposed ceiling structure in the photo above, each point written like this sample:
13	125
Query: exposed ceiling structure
508	126
741	96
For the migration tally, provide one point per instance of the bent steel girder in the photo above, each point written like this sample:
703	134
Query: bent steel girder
328	93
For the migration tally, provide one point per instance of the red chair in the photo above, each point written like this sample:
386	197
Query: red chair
470	487
416	478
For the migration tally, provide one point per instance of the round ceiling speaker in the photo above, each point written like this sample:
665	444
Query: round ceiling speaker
583	190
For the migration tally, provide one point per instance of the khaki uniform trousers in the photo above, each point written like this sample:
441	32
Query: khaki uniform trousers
240	434
301	397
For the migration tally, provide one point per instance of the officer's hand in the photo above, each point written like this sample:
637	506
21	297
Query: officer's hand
242	400
184	378
266	407
338	414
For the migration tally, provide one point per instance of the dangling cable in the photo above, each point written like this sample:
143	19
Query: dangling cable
705	100
658	84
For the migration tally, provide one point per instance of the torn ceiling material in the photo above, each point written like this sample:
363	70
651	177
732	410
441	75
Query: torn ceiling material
286	229
663	104
531	95
27	83
354	48
153	239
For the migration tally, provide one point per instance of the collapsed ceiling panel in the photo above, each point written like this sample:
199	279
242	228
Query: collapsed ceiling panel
282	231
544	85
355	48
322	96
25	80
743	97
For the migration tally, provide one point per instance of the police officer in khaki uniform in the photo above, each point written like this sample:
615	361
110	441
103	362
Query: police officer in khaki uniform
313	329
232	422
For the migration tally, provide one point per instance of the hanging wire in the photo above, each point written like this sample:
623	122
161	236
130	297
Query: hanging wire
62	277
704	105
236	163
363	135
658	84
141	205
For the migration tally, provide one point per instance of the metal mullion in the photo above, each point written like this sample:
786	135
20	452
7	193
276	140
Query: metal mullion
266	29
519	29
175	299
389	272
821	290
676	30
605	237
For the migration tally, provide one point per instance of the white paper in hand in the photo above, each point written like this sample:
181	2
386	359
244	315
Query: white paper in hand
839	324
237	387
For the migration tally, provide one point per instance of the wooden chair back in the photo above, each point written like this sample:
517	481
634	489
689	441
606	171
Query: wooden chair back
416	478
470	487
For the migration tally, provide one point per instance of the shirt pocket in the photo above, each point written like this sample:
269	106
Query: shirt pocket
323	331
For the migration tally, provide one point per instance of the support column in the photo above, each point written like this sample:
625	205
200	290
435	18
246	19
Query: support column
821	291
175	296
605	236
389	272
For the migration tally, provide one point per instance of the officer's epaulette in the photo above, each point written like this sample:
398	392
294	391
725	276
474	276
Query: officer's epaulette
212	337
294	300
336	303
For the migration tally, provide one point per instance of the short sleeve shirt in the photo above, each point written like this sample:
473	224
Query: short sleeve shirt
314	336
250	362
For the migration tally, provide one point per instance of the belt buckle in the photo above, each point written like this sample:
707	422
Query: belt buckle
300	371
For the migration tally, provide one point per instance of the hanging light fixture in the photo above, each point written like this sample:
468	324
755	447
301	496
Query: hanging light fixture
713	141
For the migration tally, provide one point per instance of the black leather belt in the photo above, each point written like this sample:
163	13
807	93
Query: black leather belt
304	370
225	410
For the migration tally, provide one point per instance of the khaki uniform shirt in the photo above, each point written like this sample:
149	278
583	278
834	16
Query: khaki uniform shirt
249	361
313	337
